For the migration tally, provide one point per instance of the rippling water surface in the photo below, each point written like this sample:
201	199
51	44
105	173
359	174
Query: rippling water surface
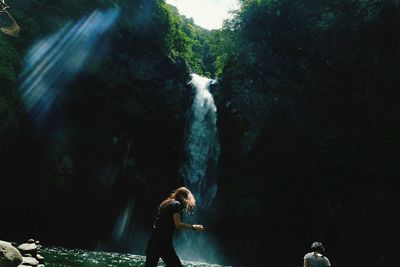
60	257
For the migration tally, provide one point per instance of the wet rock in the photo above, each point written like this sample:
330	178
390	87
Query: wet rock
30	261
40	258
9	255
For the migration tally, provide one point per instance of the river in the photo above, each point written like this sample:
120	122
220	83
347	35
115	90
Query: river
62	257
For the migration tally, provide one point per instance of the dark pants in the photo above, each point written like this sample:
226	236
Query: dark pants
164	250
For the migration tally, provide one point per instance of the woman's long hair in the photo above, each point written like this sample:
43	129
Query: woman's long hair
184	196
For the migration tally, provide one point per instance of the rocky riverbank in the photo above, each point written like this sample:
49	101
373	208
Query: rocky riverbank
26	254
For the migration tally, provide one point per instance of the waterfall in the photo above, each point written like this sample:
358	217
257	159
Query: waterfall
201	144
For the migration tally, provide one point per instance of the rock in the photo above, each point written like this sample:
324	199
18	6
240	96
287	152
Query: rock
40	265
30	261
31	241
9	255
40	258
27	255
28	248
37	242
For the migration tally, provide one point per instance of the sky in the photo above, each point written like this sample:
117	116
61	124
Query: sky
208	14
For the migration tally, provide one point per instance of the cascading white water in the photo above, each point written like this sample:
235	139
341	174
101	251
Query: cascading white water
201	145
199	169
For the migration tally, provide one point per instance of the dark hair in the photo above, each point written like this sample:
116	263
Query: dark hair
317	247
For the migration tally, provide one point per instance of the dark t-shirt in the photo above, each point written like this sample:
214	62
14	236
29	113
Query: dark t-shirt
316	260
164	226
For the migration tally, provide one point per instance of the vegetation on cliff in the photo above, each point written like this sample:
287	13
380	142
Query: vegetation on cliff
114	131
308	112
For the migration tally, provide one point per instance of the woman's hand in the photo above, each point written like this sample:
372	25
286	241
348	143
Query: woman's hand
183	226
198	227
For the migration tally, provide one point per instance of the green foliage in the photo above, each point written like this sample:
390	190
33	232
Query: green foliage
309	99
186	40
312	52
205	51
9	62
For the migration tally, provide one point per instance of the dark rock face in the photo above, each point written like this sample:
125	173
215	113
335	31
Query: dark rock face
127	144
113	134
304	109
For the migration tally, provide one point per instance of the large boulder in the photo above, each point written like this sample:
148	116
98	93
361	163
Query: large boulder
9	255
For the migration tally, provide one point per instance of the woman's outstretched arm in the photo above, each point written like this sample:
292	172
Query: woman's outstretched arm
184	226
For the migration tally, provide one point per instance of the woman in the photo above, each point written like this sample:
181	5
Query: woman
169	218
315	258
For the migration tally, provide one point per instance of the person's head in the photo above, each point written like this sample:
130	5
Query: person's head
184	196
317	247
